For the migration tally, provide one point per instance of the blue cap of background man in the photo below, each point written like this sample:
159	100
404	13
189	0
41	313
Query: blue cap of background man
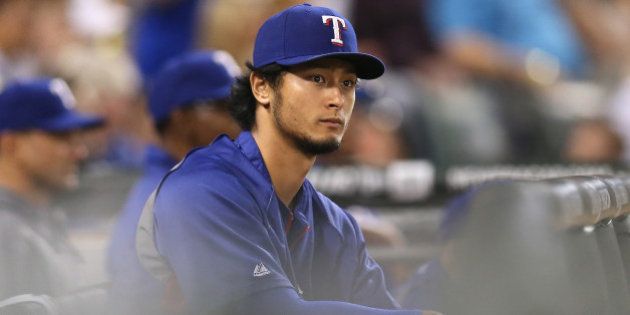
304	33
189	78
42	104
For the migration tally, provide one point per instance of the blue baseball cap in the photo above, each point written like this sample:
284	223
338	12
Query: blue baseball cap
42	104
198	76
304	33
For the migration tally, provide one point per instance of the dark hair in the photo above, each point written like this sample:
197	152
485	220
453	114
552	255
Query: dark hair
161	126
242	101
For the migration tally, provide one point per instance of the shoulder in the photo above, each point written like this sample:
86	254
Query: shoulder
221	161
10	222
201	167
15	233
197	180
207	180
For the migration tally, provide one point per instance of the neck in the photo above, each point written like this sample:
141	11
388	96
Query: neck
18	183
286	164
175	147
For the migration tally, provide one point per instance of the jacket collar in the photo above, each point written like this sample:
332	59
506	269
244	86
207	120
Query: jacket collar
247	144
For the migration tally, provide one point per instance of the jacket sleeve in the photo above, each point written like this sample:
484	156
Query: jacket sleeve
369	287
355	276
287	301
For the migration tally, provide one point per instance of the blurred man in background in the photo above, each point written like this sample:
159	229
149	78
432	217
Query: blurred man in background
187	101
40	151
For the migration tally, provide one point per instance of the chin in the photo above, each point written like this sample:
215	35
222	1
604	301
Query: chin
312	147
328	137
70	184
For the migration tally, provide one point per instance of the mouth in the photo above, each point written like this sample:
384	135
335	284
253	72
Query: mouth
333	122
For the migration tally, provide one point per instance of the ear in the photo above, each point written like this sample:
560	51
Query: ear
260	89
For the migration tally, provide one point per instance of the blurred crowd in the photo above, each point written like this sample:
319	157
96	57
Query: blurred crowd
468	82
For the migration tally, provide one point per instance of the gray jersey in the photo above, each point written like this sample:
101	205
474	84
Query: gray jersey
35	255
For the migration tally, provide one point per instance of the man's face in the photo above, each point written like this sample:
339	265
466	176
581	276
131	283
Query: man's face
313	104
50	160
200	123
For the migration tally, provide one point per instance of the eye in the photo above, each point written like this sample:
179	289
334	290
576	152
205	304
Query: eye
317	78
349	83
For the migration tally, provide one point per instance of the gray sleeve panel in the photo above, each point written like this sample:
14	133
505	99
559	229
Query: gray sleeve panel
146	247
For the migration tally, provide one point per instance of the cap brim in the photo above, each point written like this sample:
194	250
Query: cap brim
72	121
366	66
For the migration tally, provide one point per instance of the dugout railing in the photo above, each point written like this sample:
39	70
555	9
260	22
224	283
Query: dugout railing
557	246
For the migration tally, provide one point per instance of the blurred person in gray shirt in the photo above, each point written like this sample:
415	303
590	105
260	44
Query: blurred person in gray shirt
40	151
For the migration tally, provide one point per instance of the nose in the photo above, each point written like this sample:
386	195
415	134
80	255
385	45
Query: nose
335	97
80	151
78	147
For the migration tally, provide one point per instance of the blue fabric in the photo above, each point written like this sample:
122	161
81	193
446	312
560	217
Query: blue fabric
266	303
133	289
221	227
162	31
519	24
426	287
303	32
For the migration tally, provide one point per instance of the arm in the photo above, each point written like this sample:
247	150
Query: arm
368	287
287	301
603	26
477	54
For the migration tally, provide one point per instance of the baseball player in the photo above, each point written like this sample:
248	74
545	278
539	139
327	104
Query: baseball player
40	152
187	102
236	223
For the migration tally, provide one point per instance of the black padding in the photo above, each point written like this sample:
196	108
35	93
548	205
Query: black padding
511	258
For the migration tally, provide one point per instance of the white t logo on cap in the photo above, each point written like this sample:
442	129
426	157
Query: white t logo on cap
225	59
61	89
335	22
